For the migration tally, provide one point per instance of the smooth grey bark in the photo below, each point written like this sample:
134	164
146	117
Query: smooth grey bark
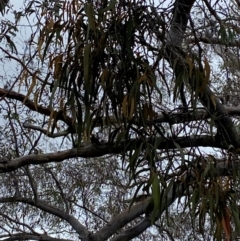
175	192
92	150
179	22
120	221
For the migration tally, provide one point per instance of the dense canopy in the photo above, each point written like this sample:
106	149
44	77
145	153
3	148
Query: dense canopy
119	120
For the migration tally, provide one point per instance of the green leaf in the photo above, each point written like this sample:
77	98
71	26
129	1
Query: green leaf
86	63
48	42
90	14
11	44
178	83
236	219
156	196
134	157
180	149
109	7
207	168
135	194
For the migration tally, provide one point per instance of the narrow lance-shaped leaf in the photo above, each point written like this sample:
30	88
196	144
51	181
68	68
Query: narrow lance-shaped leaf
90	14
58	66
109	7
156	196
190	64
34	81
23	77
125	106
226	223
86	64
35	101
132	107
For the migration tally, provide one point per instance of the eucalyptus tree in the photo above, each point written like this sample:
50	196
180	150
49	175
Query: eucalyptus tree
119	120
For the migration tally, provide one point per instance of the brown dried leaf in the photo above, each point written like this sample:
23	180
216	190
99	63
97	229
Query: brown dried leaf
34	81
58	66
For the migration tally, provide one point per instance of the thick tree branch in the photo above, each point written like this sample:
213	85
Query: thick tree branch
30	104
178	190
223	168
173	118
181	13
221	118
120	221
45	131
92	150
212	40
175	56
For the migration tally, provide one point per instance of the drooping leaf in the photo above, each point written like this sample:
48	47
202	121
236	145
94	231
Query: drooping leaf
33	84
190	64
156	196
86	64
35	100
226	223
90	14
110	6
58	66
125	106
213	100
132	107
11	44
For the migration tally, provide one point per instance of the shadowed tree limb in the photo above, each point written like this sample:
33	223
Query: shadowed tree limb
121	220
173	118
30	104
178	189
176	57
92	150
